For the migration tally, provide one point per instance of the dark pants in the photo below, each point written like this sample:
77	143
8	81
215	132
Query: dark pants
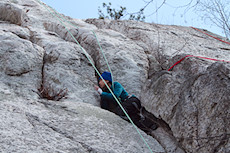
109	104
132	106
127	104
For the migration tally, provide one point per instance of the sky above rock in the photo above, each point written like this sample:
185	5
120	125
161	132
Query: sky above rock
168	14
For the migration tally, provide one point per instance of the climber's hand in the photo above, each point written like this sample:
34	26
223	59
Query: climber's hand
98	89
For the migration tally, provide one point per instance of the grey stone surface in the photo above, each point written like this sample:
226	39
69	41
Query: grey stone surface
38	56
33	54
47	126
195	104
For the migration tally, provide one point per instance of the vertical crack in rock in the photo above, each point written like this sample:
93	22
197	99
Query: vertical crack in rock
164	135
46	90
42	88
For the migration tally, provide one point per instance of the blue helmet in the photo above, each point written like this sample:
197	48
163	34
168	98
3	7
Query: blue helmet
106	76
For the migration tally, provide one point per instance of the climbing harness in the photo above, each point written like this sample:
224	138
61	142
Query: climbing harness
213	59
98	74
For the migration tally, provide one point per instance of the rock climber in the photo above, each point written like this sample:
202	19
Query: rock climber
131	104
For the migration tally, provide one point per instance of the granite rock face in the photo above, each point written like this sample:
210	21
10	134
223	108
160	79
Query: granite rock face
40	60
195	104
46	126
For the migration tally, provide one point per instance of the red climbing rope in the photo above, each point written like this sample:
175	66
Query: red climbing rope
200	56
211	36
213	59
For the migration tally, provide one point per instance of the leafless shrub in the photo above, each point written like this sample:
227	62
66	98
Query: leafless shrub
48	92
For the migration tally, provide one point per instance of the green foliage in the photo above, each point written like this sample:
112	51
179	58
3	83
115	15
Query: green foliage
140	16
114	14
111	13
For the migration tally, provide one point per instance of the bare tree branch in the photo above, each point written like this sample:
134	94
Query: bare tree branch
157	8
142	9
217	12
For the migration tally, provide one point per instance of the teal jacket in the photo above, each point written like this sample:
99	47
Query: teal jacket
118	91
